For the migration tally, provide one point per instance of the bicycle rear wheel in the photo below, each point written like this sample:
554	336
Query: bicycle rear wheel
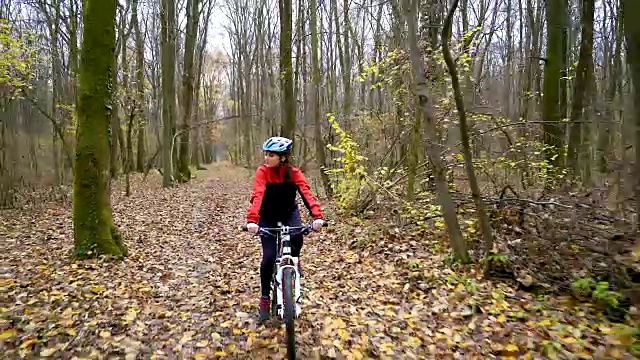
288	278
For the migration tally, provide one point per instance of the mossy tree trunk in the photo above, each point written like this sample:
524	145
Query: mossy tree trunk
553	112
94	229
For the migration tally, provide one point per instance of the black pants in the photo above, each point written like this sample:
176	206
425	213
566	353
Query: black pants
269	250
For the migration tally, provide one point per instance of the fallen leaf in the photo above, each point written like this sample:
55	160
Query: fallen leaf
8	333
511	347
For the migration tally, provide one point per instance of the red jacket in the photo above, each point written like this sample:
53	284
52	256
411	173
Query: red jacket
272	199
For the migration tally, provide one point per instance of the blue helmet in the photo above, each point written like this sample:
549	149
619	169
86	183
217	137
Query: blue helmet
278	144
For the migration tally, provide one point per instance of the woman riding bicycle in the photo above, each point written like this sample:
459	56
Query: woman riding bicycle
273	200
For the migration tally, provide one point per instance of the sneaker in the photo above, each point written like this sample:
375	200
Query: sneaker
265	308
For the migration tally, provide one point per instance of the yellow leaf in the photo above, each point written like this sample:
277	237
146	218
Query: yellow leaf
338	324
412	342
215	336
27	343
502	318
545	322
511	347
67	313
130	316
200	356
364	339
355	355
220	353
7	334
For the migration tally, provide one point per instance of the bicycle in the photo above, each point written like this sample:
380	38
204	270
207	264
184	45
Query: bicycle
286	273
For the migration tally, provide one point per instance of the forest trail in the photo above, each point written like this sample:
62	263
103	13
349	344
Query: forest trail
189	289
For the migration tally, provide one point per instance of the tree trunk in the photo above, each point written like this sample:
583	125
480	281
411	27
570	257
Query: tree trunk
444	197
317	116
630	9
581	87
556	12
288	102
346	66
200	52
615	69
464	135
94	229
142	122
55	95
167	15
184	173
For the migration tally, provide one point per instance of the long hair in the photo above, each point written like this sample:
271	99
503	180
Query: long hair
286	161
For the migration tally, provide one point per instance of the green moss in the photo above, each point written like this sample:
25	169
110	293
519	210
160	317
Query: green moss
94	230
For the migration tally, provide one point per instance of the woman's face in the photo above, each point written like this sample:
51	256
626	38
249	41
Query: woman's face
271	159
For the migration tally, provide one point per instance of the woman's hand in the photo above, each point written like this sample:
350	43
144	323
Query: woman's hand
253	228
317	224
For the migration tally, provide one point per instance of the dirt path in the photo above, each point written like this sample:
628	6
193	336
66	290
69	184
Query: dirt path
190	286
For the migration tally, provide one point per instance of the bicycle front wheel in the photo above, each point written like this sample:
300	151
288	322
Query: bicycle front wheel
288	278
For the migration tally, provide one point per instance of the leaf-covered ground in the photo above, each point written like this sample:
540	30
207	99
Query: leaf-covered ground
190	286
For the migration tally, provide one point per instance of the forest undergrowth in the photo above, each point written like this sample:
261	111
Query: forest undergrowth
189	289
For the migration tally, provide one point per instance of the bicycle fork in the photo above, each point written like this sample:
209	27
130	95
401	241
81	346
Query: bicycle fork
290	262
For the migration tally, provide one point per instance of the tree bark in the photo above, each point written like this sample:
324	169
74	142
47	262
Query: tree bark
167	16
444	197
142	122
317	116
483	218
581	87
630	9
184	173
94	229
288	102
556	12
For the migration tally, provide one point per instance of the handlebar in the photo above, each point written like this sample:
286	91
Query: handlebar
303	227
